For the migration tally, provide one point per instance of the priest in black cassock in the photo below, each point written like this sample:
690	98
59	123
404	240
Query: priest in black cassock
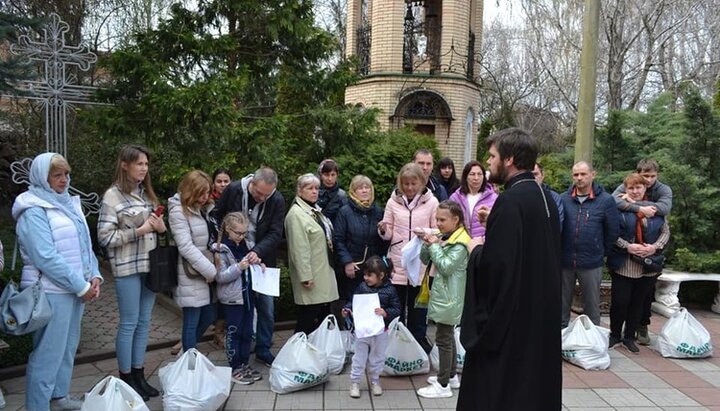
510	325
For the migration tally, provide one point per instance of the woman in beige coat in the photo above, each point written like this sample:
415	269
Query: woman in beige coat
309	241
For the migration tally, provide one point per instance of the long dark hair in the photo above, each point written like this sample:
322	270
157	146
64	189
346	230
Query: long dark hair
466	171
128	155
447	162
378	265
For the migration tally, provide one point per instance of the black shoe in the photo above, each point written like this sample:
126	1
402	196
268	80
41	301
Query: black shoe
613	341
139	375
630	345
265	359
129	380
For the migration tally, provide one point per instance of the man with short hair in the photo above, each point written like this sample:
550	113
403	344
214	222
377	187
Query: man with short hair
590	229
509	325
658	202
424	159
257	197
540	178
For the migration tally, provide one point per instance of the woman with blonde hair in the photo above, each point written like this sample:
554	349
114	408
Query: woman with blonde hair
127	230
188	210
411	206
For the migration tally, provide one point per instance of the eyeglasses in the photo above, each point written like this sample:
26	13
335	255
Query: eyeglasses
237	233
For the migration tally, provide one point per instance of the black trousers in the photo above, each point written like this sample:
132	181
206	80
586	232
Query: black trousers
310	316
647	312
627	303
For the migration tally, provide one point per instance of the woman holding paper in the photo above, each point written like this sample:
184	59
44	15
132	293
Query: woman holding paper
411	206
309	242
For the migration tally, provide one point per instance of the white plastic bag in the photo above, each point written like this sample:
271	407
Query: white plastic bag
410	260
585	344
683	336
327	338
194	383
404	356
113	394
298	365
459	353
348	341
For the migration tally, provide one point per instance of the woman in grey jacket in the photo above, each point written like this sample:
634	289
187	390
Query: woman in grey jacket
188	223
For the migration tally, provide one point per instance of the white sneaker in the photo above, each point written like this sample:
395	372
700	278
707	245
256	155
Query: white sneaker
435	390
376	389
354	390
454	381
65	404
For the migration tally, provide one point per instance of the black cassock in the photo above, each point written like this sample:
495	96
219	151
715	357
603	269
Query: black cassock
511	320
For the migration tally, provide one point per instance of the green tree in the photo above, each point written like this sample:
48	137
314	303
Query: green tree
611	147
12	69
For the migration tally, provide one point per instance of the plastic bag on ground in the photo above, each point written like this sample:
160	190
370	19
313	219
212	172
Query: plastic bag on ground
327	338
404	355
113	394
298	365
683	336
585	344
194	383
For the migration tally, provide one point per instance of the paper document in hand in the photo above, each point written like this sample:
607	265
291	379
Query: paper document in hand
267	282
367	323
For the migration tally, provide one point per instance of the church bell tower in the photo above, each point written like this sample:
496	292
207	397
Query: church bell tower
417	64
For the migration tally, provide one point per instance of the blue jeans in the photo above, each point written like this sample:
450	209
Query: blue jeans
135	303
50	366
265	306
196	321
238	337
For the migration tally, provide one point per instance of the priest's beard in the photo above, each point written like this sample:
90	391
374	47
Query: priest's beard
500	176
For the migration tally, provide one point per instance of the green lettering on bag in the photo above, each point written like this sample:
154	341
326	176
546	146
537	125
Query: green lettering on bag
308	378
569	353
692	350
404	366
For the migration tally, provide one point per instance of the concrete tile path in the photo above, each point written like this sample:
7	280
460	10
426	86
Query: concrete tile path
644	381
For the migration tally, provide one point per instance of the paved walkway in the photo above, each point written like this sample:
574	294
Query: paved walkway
645	381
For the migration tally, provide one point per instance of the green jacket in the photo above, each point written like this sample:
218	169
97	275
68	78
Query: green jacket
448	288
308	256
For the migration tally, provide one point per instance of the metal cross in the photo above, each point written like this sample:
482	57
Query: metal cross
57	92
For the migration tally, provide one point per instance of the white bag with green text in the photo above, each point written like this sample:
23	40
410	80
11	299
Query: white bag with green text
298	365
113	394
585	344
683	336
404	355
327	338
194	383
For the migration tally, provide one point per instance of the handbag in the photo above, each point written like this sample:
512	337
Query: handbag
163	267
190	271
651	264
23	312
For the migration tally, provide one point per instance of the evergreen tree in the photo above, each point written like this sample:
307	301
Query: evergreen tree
12	69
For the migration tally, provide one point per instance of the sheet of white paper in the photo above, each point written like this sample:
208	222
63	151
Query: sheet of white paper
267	282
367	323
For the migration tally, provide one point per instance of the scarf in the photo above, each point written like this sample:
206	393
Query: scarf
639	220
324	222
361	203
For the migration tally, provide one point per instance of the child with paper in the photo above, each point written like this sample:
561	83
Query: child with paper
372	341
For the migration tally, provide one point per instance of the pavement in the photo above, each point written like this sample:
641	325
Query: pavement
644	381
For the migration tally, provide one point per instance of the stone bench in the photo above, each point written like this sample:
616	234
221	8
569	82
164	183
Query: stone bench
668	285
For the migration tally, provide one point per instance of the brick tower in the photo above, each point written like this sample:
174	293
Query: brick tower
417	65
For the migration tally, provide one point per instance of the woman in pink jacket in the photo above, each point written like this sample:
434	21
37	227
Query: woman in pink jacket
474	192
410	206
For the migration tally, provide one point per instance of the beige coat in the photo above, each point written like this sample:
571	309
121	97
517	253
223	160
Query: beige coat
308	257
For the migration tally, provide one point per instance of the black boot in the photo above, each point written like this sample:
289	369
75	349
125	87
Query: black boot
139	375
129	380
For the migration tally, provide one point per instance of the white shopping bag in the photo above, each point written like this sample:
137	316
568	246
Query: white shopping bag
585	344
113	394
194	383
404	356
327	338
348	341
410	260
298	365
459	351
683	336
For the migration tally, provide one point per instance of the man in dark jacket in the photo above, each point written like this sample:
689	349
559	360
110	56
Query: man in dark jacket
509	325
257	197
590	228
424	159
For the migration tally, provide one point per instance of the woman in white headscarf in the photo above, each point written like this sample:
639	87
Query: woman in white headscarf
55	246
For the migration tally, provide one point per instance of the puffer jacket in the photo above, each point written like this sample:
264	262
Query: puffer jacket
356	231
589	229
487	198
401	219
389	300
331	200
191	236
447	294
230	278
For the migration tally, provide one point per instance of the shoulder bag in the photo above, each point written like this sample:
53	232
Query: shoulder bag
163	266
26	311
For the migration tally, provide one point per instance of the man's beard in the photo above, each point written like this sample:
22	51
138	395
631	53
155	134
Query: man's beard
500	177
